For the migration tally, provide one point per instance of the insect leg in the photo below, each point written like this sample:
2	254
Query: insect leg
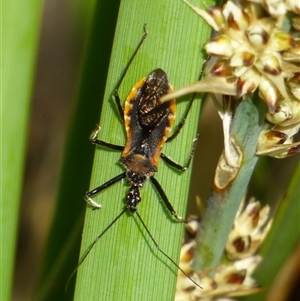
96	190
178	166
165	199
94	140
166	255
116	94
182	121
92	245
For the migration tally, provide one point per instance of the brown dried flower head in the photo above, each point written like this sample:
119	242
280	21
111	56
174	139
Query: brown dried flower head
234	277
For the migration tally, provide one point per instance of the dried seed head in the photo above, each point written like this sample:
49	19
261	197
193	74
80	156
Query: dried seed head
234	278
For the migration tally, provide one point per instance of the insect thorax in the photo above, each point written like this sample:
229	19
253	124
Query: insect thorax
139	168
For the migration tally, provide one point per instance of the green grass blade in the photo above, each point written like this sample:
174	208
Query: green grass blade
223	204
19	37
282	240
124	264
62	249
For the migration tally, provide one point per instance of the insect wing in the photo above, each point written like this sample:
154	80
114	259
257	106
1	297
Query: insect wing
147	121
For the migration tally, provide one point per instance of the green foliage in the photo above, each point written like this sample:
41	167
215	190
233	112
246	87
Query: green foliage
120	257
63	244
18	56
223	204
125	257
124	264
281	242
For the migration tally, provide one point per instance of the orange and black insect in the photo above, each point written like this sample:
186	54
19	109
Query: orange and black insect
148	124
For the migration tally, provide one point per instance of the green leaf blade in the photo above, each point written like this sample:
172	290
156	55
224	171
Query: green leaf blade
19	41
125	264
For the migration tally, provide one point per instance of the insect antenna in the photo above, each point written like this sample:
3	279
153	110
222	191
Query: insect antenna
160	250
116	94
132	57
92	245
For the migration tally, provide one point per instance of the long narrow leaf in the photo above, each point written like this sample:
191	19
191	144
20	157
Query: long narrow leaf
62	249
223	204
124	264
280	243
19	37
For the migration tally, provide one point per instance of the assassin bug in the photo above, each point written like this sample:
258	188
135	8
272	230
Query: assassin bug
148	124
